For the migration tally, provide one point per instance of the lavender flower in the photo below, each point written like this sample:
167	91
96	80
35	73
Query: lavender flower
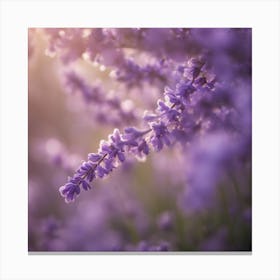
97	97
160	136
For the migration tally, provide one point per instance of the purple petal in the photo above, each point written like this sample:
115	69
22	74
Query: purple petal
100	171
86	185
109	165
94	157
121	156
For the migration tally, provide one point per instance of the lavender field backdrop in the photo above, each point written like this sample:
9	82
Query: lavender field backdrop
139	139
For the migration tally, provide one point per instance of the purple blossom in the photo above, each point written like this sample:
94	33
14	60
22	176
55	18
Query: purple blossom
170	113
160	137
94	157
184	89
101	171
143	147
70	190
96	96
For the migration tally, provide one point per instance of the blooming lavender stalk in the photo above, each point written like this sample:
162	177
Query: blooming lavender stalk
195	105
99	165
112	152
170	113
95	95
103	46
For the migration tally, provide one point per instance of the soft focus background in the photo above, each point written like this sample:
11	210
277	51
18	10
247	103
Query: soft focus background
194	198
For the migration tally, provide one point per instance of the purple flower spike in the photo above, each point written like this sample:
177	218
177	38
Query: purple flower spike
96	95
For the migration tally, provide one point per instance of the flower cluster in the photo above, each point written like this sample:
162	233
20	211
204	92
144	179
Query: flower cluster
95	95
111	153
104	46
